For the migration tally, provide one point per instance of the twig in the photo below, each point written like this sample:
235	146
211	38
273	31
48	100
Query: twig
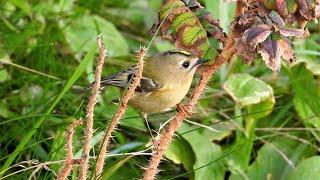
68	164
121	110
175	123
92	101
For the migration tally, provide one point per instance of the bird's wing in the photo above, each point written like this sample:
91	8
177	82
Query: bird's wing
123	78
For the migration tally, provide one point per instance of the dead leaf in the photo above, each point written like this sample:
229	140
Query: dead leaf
246	53
276	18
291	32
287	51
256	35
271	54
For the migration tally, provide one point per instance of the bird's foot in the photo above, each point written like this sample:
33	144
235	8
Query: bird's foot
185	109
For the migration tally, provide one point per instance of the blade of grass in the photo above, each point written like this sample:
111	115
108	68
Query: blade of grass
75	76
2	61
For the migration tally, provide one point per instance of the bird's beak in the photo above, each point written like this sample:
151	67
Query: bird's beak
201	61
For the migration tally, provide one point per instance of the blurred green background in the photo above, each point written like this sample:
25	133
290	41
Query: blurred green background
249	124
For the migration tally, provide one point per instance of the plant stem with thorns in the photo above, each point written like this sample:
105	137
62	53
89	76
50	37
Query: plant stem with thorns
90	107
120	112
69	162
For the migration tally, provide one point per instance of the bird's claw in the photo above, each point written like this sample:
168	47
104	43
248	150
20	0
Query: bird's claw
184	109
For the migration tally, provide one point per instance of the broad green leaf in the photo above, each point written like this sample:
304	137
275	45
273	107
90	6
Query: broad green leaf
247	90
308	169
305	112
205	153
180	152
307	94
221	10
270	163
257	97
83	31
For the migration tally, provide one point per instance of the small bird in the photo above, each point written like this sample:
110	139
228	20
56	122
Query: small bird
167	77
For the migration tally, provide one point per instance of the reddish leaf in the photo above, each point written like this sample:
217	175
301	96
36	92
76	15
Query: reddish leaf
244	51
287	51
282	7
256	35
271	53
276	18
291	32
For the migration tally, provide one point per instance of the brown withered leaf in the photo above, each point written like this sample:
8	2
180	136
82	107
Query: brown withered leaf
281	6
273	50
287	50
246	21
271	54
256	34
309	9
212	27
303	8
292	32
246	53
276	19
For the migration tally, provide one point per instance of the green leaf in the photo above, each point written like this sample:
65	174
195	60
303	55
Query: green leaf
205	153
75	76
180	152
247	90
270	163
308	169
257	97
307	95
221	10
83	30
191	34
312	65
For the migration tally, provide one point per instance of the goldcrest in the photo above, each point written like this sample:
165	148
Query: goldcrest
166	80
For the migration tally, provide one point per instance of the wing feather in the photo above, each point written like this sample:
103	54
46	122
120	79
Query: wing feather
123	78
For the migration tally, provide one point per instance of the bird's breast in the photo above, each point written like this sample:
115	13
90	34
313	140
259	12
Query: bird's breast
160	100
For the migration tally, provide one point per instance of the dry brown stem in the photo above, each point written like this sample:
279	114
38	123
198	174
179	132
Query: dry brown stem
121	110
69	162
90	107
166	136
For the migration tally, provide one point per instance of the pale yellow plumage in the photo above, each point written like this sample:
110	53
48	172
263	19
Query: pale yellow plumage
166	80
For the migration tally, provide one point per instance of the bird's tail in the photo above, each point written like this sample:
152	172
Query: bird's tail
121	79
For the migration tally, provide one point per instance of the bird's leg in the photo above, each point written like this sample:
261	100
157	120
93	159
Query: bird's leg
184	109
145	117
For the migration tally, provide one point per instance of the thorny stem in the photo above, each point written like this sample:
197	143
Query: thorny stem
120	112
69	162
166	136
90	107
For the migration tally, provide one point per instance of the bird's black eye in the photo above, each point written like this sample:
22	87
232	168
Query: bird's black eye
186	64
